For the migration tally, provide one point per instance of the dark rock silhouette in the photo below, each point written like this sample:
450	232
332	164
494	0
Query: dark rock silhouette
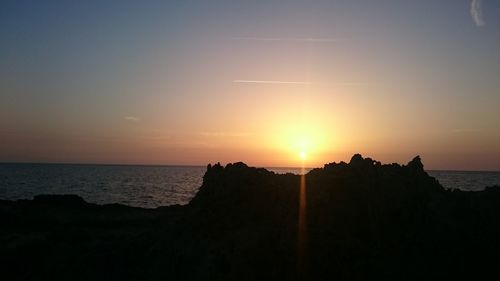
365	220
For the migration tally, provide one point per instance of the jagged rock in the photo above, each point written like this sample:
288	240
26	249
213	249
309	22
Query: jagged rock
356	160
56	199
363	220
416	164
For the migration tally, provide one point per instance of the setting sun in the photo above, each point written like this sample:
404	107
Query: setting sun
303	155
302	142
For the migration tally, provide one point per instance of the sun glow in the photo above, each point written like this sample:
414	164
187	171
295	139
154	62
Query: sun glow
302	144
303	155
297	135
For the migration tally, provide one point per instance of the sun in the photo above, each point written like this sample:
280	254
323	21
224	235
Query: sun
300	142
303	155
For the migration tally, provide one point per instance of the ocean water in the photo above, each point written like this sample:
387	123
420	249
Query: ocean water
140	186
466	180
152	186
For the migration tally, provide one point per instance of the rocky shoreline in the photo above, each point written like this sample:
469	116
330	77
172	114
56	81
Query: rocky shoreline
360	220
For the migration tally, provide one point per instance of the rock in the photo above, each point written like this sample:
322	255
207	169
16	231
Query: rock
65	199
362	220
356	160
416	164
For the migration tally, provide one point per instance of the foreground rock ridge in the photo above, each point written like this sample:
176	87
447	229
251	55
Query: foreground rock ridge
363	220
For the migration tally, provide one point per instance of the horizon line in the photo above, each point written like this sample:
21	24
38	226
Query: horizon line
200	165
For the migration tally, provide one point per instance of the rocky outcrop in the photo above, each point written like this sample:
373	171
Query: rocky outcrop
362	220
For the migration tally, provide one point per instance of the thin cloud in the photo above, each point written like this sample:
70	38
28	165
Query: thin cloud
476	12
297	82
292	39
225	134
272	82
132	118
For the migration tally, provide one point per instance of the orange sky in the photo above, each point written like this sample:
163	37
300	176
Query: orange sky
219	81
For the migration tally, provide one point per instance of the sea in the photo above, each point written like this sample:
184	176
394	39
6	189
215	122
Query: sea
153	186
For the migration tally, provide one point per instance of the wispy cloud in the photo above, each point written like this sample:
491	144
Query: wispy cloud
225	134
132	118
476	12
297	82
292	39
272	82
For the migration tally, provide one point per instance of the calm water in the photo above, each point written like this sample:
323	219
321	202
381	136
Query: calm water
465	180
151	186
142	186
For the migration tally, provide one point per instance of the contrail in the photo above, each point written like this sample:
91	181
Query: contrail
476	12
272	82
293	39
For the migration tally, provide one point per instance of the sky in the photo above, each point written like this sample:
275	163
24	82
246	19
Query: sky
269	83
